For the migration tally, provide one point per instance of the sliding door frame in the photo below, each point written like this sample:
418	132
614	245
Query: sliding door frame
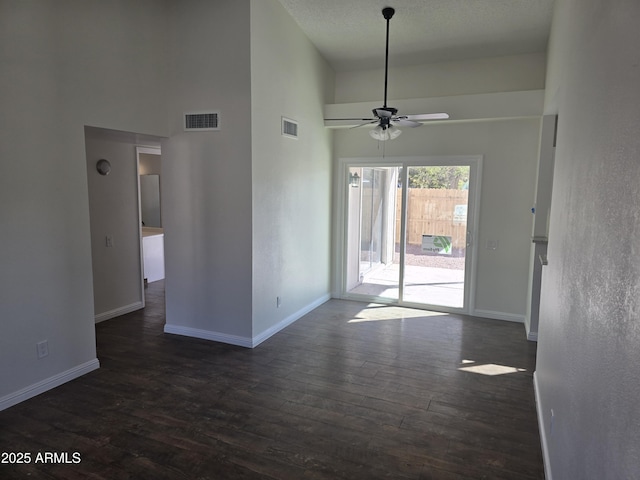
473	214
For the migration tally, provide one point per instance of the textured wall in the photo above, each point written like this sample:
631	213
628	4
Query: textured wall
113	209
463	77
64	65
509	149
588	370
291	177
206	175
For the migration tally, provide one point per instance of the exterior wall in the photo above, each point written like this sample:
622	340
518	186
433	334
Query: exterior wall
509	149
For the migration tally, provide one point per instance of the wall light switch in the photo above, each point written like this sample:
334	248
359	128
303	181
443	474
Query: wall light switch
492	244
109	240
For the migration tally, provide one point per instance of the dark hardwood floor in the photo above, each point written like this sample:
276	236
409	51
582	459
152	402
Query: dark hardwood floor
350	391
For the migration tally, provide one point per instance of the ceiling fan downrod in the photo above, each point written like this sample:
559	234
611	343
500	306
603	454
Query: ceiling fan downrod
387	13
386	117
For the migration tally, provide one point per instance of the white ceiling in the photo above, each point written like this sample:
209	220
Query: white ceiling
350	34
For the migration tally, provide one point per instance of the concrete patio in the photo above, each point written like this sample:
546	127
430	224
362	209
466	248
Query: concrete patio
425	285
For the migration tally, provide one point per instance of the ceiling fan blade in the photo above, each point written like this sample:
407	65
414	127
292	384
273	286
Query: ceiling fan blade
425	116
365	123
405	123
348	122
351	119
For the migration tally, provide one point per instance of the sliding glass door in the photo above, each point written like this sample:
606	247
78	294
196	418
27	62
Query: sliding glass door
372	198
409	232
435	242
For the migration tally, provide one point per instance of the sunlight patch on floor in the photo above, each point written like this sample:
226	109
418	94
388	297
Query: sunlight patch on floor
378	313
489	368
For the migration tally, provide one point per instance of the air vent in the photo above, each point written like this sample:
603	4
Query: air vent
202	121
289	128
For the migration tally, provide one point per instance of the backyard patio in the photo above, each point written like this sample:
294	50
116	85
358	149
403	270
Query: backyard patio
429	279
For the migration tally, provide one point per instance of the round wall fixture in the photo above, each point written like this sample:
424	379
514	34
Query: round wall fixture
103	166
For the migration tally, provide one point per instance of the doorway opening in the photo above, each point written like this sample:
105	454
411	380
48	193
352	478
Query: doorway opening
409	232
113	187
150	205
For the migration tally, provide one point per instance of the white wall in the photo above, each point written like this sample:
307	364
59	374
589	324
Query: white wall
509	148
150	164
442	79
113	211
291	177
246	211
62	68
588	370
206	176
127	66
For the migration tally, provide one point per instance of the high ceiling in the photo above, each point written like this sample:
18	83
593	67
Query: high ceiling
350	34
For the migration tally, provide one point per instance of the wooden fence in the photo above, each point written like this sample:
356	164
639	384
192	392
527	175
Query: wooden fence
433	212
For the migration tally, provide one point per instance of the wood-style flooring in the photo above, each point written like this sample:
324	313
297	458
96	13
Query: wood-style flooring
349	391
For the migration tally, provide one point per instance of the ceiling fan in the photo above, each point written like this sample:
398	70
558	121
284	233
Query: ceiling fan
386	117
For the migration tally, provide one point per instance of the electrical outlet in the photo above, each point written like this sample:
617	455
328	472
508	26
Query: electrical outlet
492	244
42	348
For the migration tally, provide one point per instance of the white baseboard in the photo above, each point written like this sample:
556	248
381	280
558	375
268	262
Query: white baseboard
101	317
543	430
245	341
508	317
47	384
208	335
532	336
258	339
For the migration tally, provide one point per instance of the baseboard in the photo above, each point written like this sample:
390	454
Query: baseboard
508	317
47	384
101	317
532	336
258	339
244	341
208	335
543	430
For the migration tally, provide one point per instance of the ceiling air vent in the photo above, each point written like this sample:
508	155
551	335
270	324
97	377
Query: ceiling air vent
202	121
289	128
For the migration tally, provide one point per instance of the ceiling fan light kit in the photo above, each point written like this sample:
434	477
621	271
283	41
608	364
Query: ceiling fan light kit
386	117
382	133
